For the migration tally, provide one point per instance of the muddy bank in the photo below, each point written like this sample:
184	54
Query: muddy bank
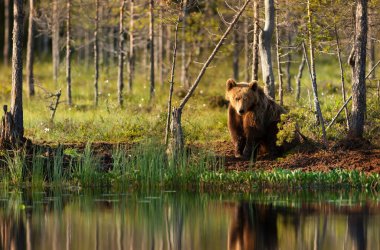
339	156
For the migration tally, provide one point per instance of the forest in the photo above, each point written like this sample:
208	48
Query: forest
189	124
135	90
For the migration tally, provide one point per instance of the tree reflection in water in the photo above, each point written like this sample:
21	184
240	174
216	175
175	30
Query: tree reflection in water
54	220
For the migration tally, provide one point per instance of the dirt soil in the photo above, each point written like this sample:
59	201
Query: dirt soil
343	155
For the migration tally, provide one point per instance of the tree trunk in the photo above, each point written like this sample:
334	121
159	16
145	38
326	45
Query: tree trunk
278	53
55	41
68	53
342	76
299	76
176	122
151	48
288	63
246	50
371	44
255	45
235	59
12	131
265	39
120	79
86	48
168	47
313	74
358	65
30	51
100	34
184	76
6	33
131	57
171	82
161	49
96	53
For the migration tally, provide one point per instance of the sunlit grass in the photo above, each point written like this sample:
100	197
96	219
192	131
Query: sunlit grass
140	119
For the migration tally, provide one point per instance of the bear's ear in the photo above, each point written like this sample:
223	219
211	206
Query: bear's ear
230	84
253	85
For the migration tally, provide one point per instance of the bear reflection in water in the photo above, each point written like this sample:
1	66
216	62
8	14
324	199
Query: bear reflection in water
257	226
253	227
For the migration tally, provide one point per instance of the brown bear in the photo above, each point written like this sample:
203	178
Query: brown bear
252	119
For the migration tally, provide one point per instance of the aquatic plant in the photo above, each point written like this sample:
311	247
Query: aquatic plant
38	163
15	163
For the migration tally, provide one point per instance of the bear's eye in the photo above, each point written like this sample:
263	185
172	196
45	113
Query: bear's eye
237	98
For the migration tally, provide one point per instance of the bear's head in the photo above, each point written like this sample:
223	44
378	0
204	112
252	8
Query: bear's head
242	96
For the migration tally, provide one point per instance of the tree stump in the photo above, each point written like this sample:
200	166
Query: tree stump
9	137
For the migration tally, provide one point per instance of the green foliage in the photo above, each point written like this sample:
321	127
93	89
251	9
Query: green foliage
287	128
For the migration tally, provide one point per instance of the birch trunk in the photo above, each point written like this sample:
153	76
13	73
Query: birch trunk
313	74
184	76
255	45
265	39
299	76
96	54
16	101
131	58
246	50
288	63
371	44
171	82
160	49
55	41
120	79
278	53
68	53
168	47
30	51
235	59
151	47
12	126
358	64
6	33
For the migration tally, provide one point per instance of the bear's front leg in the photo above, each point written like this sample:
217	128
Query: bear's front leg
235	126
250	144
239	146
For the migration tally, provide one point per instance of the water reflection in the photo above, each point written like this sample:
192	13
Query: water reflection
169	220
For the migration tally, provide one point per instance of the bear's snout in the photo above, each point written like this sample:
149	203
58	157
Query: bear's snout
241	111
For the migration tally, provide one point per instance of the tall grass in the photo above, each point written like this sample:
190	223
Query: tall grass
147	166
15	163
85	170
38	163
58	165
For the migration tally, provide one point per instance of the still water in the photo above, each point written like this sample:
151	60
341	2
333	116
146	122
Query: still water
64	219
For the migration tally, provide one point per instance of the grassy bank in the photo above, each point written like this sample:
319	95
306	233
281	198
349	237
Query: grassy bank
146	166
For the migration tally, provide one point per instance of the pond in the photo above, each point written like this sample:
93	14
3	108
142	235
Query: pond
87	219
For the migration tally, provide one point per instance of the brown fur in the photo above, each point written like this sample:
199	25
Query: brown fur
252	118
